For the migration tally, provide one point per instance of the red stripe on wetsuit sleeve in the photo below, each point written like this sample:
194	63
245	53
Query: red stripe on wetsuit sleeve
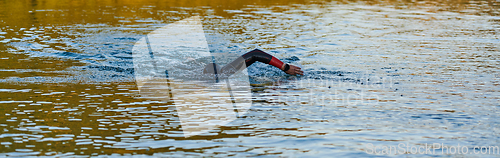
276	63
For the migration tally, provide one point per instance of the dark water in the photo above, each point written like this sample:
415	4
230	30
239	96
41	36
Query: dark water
380	72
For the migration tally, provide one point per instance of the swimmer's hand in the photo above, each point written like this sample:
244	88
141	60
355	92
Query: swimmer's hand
294	70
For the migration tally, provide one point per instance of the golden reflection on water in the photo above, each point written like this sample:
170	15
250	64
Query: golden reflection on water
26	13
103	118
87	119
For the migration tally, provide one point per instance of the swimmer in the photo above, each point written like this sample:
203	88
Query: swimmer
247	60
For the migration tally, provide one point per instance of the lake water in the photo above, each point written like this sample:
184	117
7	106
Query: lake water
379	73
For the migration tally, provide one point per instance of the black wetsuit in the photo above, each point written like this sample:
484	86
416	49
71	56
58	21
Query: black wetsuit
243	62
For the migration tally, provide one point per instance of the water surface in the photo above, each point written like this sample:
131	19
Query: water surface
376	72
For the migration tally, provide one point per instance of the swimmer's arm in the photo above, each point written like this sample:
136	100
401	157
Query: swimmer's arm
258	55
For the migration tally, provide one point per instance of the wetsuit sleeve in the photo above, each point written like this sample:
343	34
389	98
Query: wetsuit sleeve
248	59
261	56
